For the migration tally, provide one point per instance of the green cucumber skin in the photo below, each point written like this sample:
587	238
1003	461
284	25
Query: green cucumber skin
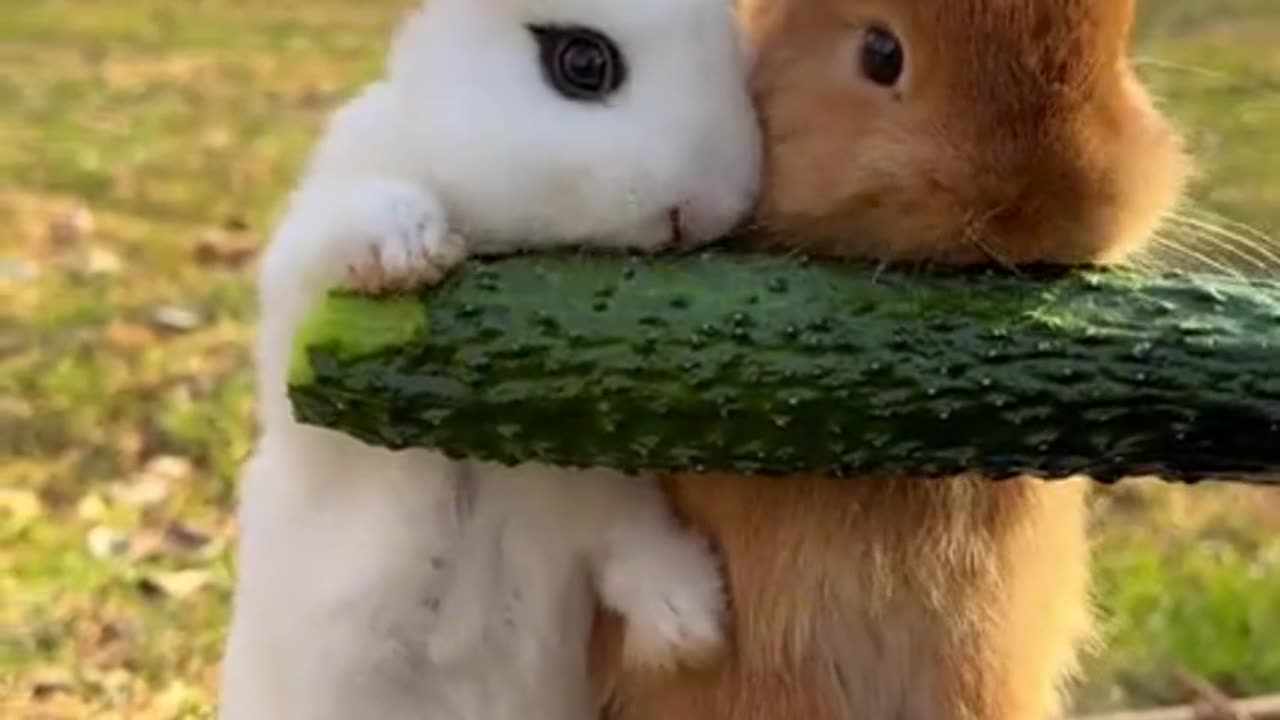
771	365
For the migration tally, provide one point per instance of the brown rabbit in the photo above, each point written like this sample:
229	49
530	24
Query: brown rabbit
950	131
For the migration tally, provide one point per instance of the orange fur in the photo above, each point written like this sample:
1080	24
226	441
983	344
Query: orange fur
884	600
1019	133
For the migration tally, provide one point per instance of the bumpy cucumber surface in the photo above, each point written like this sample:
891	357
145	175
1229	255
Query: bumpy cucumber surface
774	365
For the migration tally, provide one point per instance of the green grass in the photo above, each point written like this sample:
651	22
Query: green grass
181	127
1188	580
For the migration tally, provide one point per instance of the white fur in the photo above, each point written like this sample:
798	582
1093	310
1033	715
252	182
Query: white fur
379	584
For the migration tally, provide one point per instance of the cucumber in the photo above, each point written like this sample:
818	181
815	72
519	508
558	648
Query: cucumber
776	365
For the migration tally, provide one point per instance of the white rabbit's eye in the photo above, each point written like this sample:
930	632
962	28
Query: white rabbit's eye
881	59
579	63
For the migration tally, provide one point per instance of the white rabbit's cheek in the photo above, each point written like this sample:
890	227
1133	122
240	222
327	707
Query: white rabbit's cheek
558	171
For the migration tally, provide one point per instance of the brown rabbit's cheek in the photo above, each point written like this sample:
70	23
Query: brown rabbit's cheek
850	197
803	173
1152	188
1154	171
887	218
1133	171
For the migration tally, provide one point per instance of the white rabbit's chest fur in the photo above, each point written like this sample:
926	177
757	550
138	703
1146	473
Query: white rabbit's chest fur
466	593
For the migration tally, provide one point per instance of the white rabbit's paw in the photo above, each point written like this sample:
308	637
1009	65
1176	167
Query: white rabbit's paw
672	599
405	239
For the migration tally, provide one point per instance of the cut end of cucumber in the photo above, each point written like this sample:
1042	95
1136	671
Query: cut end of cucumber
348	326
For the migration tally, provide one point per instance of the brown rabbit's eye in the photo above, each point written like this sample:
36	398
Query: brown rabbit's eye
882	57
579	63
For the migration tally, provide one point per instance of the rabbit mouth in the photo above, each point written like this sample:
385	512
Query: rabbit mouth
677	231
684	235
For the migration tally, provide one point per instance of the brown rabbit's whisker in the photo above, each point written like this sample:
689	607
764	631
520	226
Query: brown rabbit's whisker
975	240
975	227
1195	235
1219	228
1182	67
1161	242
1137	263
1194	210
1253	249
880	268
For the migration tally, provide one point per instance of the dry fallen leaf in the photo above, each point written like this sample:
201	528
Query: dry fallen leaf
49	682
16	270
173	468
228	249
144	491
130	442
91	507
95	262
176	318
105	542
176	585
121	335
20	504
154	483
146	545
185	538
71	226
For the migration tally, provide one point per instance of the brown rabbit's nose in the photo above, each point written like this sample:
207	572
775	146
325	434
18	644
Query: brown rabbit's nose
1034	187
1039	220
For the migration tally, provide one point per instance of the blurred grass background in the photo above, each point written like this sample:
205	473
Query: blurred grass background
144	148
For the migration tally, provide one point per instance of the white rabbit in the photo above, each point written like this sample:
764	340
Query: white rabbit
386	585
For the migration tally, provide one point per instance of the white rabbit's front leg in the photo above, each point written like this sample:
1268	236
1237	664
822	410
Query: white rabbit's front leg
359	219
345	555
371	234
662	578
346	548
